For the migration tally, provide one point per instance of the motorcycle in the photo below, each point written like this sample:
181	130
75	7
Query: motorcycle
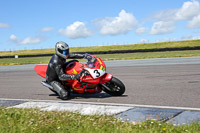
93	77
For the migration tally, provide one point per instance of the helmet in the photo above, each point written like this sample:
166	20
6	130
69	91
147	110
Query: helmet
62	49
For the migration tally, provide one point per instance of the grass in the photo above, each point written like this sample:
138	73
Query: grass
128	56
15	120
21	61
148	55
174	44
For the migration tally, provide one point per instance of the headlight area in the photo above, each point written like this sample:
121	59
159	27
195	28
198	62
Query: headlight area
86	73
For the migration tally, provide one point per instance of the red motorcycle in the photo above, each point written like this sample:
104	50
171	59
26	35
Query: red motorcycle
93	78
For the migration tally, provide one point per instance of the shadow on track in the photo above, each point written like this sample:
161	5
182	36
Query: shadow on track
88	96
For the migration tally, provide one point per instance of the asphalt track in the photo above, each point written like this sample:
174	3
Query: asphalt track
171	82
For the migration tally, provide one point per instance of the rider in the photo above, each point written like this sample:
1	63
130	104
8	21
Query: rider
55	71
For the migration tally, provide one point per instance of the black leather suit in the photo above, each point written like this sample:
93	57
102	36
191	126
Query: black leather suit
55	73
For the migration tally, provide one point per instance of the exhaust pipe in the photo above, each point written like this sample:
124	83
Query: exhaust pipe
46	84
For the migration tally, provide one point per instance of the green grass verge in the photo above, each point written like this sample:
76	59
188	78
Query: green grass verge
174	44
35	121
128	56
148	55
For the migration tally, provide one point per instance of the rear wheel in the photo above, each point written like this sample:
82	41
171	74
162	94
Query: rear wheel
114	87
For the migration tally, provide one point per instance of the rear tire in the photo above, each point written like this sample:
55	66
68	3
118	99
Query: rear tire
114	87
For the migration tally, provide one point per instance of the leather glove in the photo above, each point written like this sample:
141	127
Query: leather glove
77	76
88	56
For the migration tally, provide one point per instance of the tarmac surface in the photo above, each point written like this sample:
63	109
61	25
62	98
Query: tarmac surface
162	82
172	83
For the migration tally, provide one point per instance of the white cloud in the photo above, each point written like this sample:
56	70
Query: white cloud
186	37
76	30
190	37
4	25
194	23
122	24
141	30
14	39
188	10
28	40
196	38
32	40
168	39
162	27
165	15
46	29
143	41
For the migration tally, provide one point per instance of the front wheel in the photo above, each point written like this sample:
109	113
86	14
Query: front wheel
114	87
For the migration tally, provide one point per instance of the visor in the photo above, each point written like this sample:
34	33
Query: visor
66	52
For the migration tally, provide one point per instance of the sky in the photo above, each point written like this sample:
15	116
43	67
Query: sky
39	24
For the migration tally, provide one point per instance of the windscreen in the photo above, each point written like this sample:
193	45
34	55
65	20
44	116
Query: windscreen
92	63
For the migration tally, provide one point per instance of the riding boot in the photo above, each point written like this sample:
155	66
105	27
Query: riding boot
60	89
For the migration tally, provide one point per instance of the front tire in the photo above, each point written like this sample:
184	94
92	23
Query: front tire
114	87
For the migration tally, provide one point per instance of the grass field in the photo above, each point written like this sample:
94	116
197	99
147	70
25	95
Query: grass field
128	56
174	44
105	57
14	120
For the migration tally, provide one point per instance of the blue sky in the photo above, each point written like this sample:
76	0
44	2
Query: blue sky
36	24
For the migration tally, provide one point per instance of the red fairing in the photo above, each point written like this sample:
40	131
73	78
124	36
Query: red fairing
41	69
74	68
106	78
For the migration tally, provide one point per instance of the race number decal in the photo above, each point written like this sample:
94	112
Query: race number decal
95	73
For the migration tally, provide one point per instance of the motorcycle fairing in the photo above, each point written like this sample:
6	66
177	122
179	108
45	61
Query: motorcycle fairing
85	87
41	69
106	78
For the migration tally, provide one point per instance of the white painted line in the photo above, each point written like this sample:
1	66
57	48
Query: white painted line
85	109
110	104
